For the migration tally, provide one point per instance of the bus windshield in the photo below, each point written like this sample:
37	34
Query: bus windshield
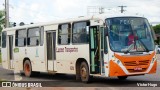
130	34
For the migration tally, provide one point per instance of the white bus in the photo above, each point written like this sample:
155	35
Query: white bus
87	46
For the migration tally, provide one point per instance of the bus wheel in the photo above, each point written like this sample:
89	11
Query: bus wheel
122	77
27	68
84	72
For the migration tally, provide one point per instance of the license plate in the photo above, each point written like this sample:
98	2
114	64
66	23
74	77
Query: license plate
138	69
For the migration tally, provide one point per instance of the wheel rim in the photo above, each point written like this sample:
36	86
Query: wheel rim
27	69
83	73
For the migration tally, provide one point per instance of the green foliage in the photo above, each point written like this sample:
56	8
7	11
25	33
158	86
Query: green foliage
2	20
157	29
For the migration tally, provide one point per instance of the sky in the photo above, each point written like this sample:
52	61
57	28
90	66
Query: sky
35	11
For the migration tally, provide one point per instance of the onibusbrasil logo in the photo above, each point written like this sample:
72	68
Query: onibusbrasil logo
21	84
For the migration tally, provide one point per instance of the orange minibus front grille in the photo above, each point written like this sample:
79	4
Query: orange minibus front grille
136	63
137	66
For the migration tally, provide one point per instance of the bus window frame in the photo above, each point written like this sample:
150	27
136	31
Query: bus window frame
70	27
41	37
33	36
88	24
106	48
23	37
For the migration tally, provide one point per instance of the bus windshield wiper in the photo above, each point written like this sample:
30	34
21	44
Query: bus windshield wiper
147	50
129	48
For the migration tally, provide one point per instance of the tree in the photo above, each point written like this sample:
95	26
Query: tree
2	19
157	29
157	32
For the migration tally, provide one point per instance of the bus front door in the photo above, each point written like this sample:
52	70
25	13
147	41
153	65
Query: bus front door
94	50
51	50
11	52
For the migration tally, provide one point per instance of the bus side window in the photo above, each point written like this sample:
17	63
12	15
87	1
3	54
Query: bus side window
33	36
42	36
20	39
4	39
64	31
80	32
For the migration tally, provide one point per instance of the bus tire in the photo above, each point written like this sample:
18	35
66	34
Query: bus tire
27	68
122	77
84	72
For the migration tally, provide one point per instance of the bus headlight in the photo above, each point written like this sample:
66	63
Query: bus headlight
118	61
153	60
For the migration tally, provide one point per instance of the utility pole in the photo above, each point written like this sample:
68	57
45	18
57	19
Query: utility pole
122	8
101	10
6	13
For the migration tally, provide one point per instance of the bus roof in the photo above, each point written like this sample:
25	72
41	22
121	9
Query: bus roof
100	16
